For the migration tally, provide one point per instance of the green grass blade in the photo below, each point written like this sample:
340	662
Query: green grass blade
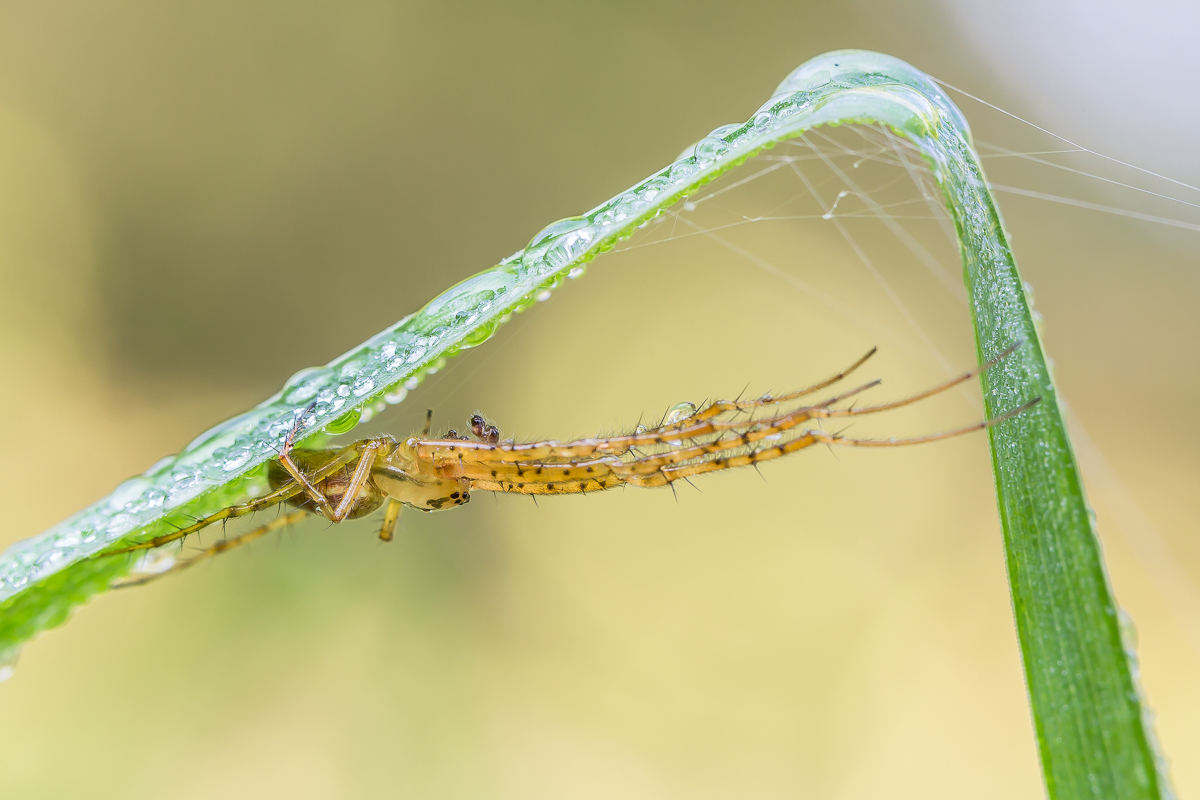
1086	709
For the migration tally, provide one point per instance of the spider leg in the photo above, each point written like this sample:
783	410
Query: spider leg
314	494
222	546
845	441
823	409
370	449
444	452
604	473
589	472
941	387
807	438
696	424
568	477
718	407
285	458
536	478
391	513
305	485
661	469
280	495
242	509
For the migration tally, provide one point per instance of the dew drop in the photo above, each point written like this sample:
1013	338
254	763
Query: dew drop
154	562
51	558
790	105
362	386
128	492
1029	294
619	210
479	335
8	662
344	423
710	148
179	493
305	384
679	411
397	395
554	230
724	131
569	247
577	272
122	524
542	296
1129	632
683	169
68	542
352	368
653	188
236	459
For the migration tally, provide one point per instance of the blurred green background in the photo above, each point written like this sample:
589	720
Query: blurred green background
197	200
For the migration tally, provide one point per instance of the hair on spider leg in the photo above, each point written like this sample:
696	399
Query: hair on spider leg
753	453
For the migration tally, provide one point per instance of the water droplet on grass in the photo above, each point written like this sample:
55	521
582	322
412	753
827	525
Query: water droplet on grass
710	148
8	662
305	384
344	423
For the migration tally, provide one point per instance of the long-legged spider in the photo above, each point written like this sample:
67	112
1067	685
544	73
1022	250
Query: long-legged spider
434	474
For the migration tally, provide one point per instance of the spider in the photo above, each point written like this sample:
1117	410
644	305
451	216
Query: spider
432	474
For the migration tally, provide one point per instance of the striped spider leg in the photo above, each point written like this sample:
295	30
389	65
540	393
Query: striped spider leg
702	441
433	474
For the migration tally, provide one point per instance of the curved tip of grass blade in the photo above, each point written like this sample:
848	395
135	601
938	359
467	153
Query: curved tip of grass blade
1084	698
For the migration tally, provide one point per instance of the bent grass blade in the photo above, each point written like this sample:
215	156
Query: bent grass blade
1087	712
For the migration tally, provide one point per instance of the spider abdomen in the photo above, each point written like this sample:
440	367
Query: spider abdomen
333	487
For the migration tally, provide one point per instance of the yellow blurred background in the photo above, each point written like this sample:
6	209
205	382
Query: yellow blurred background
197	200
